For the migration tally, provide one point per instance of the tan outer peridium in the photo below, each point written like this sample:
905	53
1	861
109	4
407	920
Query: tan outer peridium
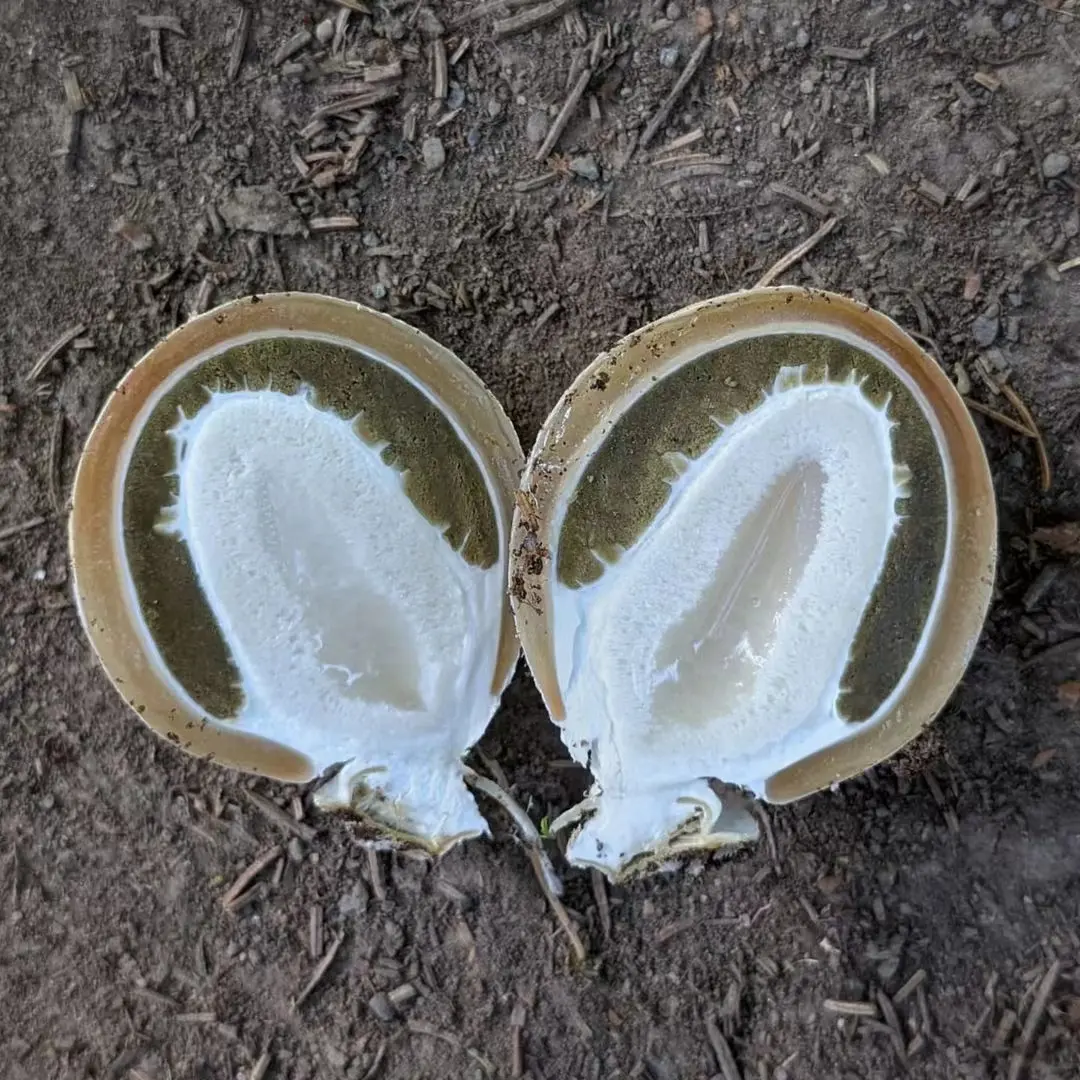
97	546
587	411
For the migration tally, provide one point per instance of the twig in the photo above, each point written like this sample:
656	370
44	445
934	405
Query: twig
729	1069
1000	417
57	347
797	253
569	106
1069	264
249	875
377	1061
545	874
909	987
9	531
661	115
56	444
529	20
892	1023
272	812
258	1070
603	906
1034	1017
1040	447
320	971
239	43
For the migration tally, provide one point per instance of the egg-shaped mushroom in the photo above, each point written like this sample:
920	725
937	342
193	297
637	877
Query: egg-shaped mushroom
754	547
289	539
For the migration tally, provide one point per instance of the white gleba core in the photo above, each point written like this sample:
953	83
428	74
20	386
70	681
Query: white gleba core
716	645
359	634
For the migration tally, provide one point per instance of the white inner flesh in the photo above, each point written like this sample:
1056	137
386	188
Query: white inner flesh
716	645
359	634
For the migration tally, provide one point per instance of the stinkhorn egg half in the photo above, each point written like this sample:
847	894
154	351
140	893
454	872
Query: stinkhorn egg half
754	545
289	536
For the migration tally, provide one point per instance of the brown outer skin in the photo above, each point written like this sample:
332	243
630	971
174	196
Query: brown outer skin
587	411
96	545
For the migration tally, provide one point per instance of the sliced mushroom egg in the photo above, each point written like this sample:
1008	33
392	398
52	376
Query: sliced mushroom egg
289	537
754	546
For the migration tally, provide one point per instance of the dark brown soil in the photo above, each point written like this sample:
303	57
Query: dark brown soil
960	860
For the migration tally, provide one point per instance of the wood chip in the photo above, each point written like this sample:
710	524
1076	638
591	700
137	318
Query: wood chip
725	1059
797	253
839	52
1034	1018
931	192
850	1008
567	111
987	80
73	92
375	874
1069	264
54	350
786	191
1064	537
532	18
161	22
238	48
157	58
661	114
378	73
315	932
320	971
273	813
440	75
290	47
241	884
337	223
892	1023
375	94
877	163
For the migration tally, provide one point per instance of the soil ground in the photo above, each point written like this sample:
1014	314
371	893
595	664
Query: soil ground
960	860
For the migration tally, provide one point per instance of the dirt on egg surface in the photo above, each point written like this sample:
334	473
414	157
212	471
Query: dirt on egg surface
158	158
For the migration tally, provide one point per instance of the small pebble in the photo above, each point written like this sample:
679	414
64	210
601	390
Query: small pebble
669	56
381	1009
325	31
802	37
536	128
433	153
1055	164
1010	20
674	11
985	327
585	167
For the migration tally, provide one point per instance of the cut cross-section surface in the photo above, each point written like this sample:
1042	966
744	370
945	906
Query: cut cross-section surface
716	645
359	634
